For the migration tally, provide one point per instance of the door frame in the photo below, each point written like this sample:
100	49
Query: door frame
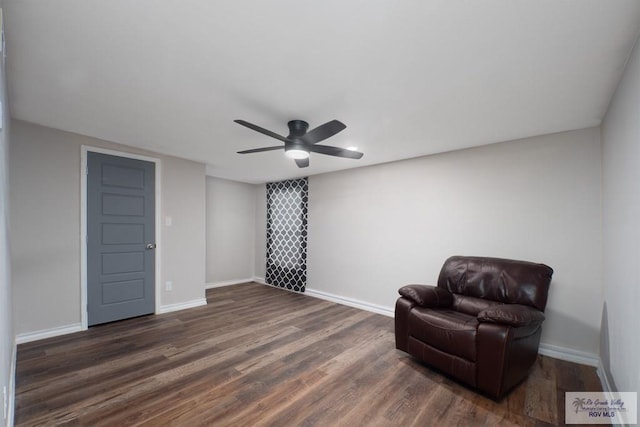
85	149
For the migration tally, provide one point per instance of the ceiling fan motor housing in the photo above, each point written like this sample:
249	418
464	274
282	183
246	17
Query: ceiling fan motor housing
294	147
297	128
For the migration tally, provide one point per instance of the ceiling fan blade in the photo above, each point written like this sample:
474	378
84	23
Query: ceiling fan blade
323	132
335	151
302	163
258	150
261	130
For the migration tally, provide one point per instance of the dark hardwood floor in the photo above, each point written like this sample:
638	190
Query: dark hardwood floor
256	355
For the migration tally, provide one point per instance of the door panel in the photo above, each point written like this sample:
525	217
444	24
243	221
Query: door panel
122	291
120	234
120	224
122	205
123	262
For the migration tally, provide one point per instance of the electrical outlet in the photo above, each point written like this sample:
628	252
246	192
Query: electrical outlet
168	286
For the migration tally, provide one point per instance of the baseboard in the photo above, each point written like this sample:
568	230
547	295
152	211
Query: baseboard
259	280
554	351
569	355
12	385
374	308
607	387
262	282
182	305
48	333
604	378
227	283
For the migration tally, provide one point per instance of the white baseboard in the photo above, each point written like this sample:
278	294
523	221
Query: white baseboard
554	351
607	388
48	333
351	302
228	283
12	386
182	305
69	329
550	350
570	355
263	282
604	378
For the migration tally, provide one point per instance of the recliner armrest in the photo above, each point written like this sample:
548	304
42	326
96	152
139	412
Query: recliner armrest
427	296
511	314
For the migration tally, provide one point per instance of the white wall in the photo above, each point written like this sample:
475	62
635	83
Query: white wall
231	231
374	229
7	343
621	170
45	243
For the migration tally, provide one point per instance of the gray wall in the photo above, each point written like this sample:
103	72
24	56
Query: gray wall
45	243
7	344
621	166
261	232
374	229
183	243
231	231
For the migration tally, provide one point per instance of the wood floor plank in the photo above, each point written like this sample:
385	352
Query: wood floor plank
541	400
257	355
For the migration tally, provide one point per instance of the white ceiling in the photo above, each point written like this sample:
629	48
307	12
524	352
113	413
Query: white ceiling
408	78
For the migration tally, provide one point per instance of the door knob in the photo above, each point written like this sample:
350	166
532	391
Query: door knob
151	245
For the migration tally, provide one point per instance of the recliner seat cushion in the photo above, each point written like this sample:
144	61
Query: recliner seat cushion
447	330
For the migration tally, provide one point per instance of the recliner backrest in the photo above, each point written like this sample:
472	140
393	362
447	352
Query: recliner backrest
502	280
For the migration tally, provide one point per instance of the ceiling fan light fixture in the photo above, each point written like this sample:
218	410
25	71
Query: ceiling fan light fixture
296	153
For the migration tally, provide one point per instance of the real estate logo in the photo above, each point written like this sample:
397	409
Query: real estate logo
601	407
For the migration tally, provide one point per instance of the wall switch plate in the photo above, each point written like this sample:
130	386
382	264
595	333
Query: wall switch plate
168	286
168	221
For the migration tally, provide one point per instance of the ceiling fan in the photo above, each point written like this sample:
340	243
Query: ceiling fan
299	143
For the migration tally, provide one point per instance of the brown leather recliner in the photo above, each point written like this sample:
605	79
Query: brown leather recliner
481	324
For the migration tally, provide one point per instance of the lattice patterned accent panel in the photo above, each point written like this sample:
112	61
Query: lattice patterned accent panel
287	203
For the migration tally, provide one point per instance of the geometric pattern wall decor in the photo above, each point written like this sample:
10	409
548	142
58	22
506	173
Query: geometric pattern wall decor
287	203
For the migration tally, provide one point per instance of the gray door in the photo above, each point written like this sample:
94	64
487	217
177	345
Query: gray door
120	238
